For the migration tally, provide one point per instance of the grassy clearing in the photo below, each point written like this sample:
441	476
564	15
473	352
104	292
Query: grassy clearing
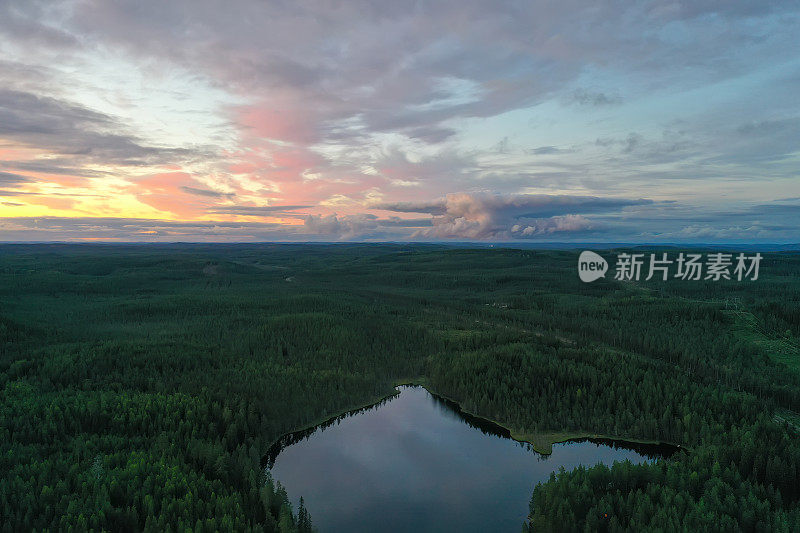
781	349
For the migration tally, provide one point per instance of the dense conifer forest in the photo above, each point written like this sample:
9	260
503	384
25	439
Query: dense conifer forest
142	385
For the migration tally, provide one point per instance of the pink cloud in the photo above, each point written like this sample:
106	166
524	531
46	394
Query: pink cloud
273	121
166	192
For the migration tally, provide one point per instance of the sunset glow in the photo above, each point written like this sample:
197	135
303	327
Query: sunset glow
646	122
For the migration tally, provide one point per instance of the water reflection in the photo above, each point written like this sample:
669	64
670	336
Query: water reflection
414	462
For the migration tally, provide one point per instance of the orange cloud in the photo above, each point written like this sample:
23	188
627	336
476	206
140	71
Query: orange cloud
163	191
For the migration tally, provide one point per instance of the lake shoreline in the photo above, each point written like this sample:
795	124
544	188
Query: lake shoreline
541	443
327	419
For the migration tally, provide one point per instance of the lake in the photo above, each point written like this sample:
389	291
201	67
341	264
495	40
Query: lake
415	462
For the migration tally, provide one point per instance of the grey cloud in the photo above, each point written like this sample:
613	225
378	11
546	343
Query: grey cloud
544	150
468	217
592	98
381	62
72	130
55	165
345	72
206	192
133	223
520	205
776	222
431	135
316	227
9	178
444	168
636	149
137	229
341	227
548	226
24	77
712	149
7	192
783	211
485	216
26	22
363	226
257	211
763	141
768	127
605	141
633	140
434	208
25	113
405	222
543	205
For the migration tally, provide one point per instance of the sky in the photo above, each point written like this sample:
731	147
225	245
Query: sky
601	121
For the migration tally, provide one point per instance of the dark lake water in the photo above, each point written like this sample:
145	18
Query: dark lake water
415	462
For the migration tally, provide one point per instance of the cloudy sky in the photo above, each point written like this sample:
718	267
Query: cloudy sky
145	120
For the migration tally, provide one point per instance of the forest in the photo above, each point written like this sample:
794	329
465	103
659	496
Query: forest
142	385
